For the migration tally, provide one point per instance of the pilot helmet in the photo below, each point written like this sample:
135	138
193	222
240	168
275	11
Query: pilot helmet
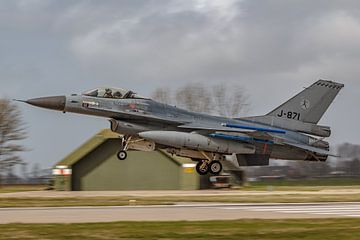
117	94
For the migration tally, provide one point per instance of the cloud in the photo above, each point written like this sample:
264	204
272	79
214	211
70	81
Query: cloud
211	40
272	48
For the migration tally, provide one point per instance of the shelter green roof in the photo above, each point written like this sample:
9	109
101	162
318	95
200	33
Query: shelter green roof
177	159
99	139
87	147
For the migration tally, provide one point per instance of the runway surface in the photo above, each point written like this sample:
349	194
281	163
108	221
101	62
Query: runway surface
167	193
184	212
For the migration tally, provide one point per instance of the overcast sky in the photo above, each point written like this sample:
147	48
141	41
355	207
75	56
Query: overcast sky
271	48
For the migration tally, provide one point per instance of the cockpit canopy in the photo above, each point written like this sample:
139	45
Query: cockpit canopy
107	92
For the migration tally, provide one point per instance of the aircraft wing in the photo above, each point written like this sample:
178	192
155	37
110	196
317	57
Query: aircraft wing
241	128
310	148
244	133
206	127
251	134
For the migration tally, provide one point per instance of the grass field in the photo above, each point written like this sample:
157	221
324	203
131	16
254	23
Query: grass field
21	188
166	200
308	191
328	229
275	185
305	184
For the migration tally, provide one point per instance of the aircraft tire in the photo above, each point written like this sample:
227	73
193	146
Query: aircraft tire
122	155
202	168
215	167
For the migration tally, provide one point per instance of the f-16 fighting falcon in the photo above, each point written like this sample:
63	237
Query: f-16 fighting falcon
289	132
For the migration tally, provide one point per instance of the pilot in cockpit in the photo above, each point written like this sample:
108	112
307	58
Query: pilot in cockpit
108	93
117	95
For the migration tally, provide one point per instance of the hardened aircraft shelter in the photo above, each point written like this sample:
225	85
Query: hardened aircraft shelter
94	166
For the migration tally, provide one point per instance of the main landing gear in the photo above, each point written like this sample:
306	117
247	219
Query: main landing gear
203	167
210	164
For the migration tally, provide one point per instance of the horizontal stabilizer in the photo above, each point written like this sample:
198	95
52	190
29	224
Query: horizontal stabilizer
310	148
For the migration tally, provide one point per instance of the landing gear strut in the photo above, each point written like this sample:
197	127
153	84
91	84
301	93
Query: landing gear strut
122	154
202	167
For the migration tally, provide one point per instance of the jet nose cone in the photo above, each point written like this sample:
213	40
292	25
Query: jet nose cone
54	103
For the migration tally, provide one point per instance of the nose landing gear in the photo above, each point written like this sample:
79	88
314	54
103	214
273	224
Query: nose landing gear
122	154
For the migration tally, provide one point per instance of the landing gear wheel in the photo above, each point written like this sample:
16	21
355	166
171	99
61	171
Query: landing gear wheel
122	155
202	167
215	167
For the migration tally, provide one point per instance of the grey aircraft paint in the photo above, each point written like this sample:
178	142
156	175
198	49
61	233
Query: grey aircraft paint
289	132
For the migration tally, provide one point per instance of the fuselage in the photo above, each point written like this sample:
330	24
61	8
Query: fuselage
289	132
167	118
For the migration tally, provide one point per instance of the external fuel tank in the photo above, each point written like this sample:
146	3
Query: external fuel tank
197	141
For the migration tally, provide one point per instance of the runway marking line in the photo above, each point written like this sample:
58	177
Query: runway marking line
346	210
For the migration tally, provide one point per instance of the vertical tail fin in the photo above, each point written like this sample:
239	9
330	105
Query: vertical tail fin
311	104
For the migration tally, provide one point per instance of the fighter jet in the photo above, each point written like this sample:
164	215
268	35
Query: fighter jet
289	132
